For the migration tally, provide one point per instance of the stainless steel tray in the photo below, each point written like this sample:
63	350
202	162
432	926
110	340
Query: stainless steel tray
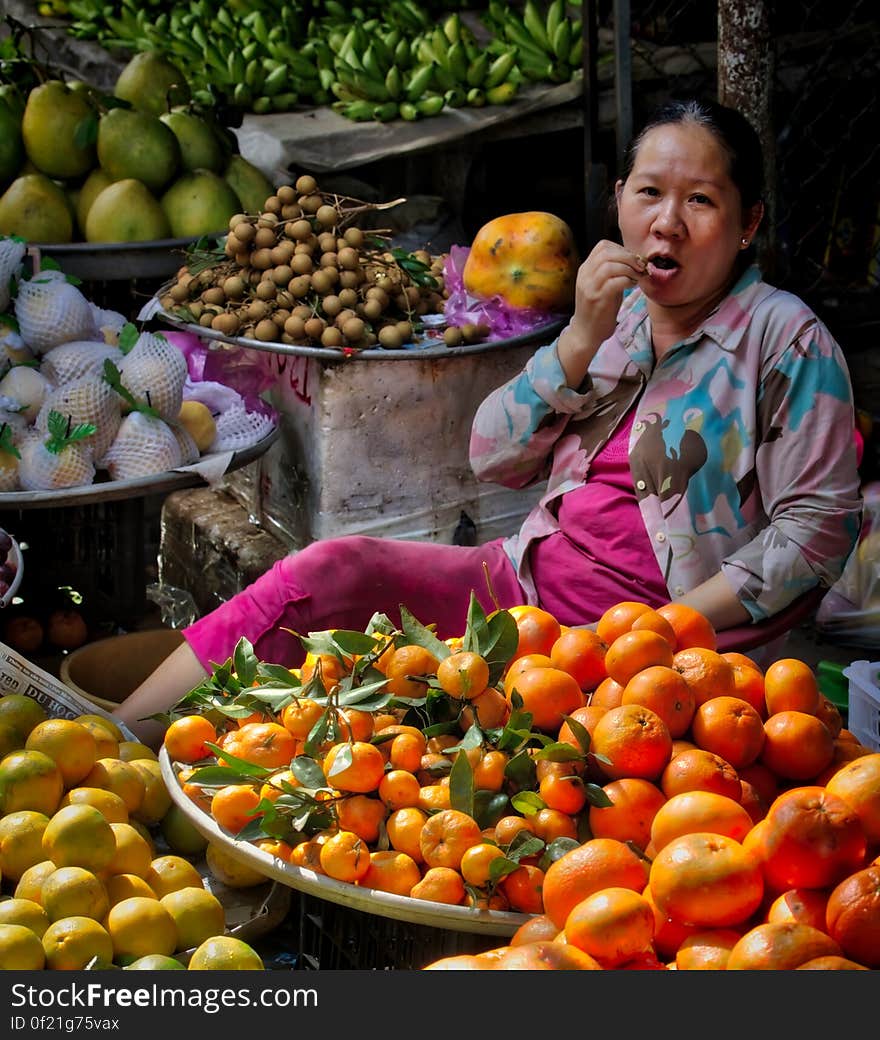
114	490
384	904
118	261
542	334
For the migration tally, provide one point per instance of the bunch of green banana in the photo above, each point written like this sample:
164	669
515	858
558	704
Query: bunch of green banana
549	44
373	76
467	73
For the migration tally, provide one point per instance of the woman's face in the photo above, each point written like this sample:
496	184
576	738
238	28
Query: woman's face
681	211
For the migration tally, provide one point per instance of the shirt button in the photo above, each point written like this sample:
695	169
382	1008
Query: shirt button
660	536
639	426
641	485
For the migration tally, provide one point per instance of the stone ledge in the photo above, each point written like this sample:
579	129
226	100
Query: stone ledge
210	547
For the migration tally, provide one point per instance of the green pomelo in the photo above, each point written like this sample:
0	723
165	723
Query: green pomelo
199	146
14	98
11	145
249	183
91	188
54	130
126	211
36	209
152	84
135	144
199	203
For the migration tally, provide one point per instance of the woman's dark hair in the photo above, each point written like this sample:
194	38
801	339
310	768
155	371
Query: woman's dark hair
731	129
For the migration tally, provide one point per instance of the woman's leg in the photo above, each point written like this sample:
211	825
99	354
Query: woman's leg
337	583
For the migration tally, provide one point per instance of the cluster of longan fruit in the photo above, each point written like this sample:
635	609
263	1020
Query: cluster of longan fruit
301	272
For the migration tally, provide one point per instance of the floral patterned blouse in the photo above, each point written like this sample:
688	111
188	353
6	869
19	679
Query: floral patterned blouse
742	450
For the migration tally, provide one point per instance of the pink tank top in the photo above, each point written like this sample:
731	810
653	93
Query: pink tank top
601	554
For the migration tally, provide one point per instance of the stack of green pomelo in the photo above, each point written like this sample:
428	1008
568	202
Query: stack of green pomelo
141	165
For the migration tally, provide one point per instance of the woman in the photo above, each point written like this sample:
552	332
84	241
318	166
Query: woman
694	423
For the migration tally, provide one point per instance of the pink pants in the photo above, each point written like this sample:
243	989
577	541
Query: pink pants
342	582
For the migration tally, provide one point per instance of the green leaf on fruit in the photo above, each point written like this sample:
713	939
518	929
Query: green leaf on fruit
62	432
461	785
417	634
128	336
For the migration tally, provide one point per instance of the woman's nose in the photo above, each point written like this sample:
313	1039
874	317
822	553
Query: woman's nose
667	219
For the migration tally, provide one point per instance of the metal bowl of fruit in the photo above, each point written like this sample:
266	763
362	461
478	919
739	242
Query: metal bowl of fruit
11	568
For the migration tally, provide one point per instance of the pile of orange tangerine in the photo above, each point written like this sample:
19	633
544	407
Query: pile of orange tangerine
648	801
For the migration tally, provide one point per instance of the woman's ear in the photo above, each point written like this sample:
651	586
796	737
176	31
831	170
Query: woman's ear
618	190
753	217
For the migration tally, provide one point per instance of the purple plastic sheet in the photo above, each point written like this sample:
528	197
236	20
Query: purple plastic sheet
245	371
504	321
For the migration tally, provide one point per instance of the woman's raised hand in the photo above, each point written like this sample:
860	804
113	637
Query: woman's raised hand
602	278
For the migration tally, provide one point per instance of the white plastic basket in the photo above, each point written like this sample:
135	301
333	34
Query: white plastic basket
864	702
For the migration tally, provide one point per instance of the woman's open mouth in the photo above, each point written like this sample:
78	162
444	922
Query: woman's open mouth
662	268
663	263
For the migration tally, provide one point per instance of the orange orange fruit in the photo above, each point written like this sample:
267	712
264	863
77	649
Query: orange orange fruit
791	685
706	879
596	864
632	741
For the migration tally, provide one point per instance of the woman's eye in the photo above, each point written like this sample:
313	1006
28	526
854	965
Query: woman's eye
703	200
649	191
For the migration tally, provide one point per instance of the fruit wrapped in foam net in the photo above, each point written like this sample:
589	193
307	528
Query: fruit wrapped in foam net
12	348
12	417
86	400
238	429
143	446
57	460
50	311
27	388
77	359
9	436
189	450
154	372
11	255
109	323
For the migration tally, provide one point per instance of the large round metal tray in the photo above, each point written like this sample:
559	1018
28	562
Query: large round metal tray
542	334
118	261
115	490
384	904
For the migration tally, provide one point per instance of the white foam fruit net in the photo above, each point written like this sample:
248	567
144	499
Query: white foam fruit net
42	470
50	311
238	429
108	323
12	348
8	462
154	371
11	256
189	450
85	400
77	359
27	388
143	446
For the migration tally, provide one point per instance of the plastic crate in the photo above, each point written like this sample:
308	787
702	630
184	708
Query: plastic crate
329	936
864	702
